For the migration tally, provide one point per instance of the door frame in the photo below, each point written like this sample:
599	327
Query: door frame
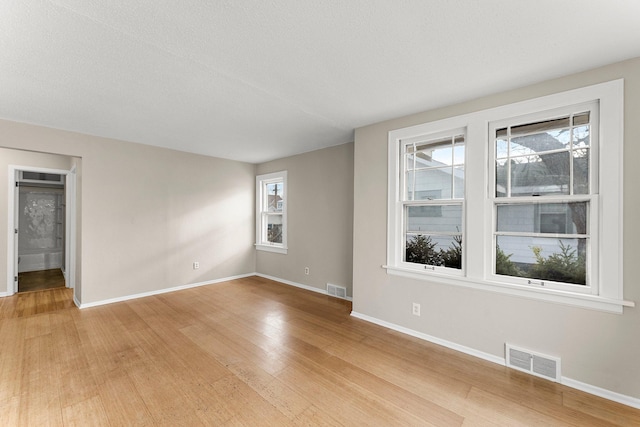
70	225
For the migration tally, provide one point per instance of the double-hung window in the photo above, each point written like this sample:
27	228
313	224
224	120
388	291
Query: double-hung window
545	198
522	199
432	200
271	212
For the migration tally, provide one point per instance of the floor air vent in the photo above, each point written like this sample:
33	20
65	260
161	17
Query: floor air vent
533	363
336	291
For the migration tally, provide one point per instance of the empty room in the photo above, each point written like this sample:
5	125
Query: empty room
319	213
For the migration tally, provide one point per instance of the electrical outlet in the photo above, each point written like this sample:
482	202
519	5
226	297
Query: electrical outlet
416	309
196	265
306	271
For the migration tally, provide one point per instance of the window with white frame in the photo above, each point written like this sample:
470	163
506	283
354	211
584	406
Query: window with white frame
432	200
271	212
527	209
545	186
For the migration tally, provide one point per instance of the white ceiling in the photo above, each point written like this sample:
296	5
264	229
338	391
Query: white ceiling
256	80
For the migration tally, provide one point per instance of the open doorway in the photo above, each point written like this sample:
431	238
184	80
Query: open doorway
40	222
41	214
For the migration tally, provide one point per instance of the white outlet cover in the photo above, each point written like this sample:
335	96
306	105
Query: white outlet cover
416	309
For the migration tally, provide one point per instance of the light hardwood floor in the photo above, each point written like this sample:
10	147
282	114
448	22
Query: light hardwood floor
255	352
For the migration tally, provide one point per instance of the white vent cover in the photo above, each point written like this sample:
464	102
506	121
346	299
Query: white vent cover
533	363
336	291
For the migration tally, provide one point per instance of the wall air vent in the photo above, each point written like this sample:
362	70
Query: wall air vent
336	291
533	363
30	177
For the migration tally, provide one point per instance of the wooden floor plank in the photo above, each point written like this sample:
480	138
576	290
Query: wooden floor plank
39	395
601	409
87	412
421	407
123	403
255	352
12	343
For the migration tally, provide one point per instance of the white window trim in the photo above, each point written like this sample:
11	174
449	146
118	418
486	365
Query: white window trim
260	181
479	206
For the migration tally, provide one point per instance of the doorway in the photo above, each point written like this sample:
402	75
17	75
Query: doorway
42	222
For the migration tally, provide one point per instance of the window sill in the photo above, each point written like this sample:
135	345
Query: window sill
274	249
593	302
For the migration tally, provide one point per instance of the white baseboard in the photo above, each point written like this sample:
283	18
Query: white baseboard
160	291
601	392
587	388
435	340
299	285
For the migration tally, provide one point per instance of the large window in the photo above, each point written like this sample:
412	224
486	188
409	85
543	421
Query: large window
271	212
534	211
545	182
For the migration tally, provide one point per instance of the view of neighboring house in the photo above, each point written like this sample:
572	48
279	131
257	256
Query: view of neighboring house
274	201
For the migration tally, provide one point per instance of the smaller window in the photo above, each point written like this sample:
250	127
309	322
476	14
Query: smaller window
432	174
271	212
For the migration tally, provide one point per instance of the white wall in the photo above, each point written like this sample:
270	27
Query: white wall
147	213
597	348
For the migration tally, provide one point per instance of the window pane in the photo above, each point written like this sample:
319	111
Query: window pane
274	196
581	171
431	211
436	250
540	175
581	119
542	258
501	148
458	182
434	219
274	228
538	127
502	178
408	186
581	136
458	151
431	184
434	153
554	218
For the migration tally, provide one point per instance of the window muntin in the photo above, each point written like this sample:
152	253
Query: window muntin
271	225
432	201
537	161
